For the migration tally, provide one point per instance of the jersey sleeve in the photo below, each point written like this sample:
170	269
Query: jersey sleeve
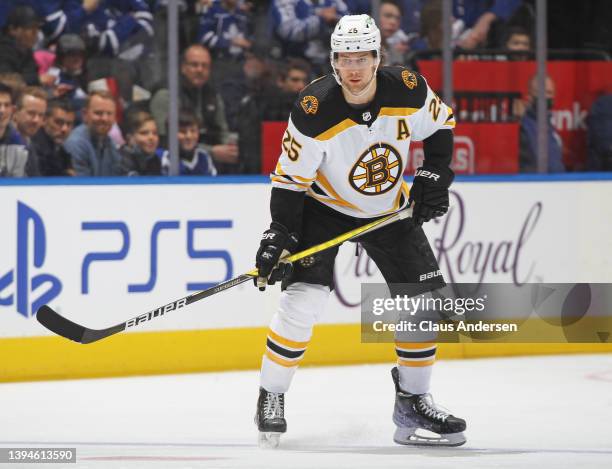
299	160
431	117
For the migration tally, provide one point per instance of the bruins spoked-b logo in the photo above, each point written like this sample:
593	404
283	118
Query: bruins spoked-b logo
410	79
310	104
377	170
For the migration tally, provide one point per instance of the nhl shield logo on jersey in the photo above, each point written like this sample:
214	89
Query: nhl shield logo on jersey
410	79
377	170
310	104
366	116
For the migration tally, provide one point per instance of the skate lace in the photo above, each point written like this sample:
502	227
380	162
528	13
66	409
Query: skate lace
428	407
274	405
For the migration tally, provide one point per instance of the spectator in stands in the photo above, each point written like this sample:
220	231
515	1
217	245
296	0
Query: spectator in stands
528	152
28	119
293	78
430	32
255	80
66	78
359	7
93	152
518	39
119	28
394	40
599	125
14	81
411	18
194	160
17	42
57	16
225	30
119	37
141	155
303	27
31	109
198	94
475	18
13	152
269	105
48	142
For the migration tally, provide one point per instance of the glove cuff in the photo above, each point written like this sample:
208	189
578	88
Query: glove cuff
434	175
290	241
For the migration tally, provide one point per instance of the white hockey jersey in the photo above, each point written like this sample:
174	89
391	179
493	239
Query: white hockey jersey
350	159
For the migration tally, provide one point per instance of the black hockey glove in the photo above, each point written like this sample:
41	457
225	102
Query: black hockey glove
276	243
429	193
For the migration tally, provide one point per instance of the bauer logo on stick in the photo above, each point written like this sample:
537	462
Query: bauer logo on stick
157	312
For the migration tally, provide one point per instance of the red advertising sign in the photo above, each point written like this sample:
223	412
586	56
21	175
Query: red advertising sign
577	85
479	148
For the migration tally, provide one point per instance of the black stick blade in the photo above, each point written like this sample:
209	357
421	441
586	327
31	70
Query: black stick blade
59	324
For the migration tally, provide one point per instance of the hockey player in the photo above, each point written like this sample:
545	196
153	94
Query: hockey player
342	160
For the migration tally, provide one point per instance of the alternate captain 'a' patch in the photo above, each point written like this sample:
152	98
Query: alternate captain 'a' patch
310	104
377	170
410	79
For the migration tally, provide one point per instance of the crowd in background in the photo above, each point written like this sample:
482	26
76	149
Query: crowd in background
83	85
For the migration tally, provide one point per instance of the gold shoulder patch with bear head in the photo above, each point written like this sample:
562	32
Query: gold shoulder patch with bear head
310	104
410	79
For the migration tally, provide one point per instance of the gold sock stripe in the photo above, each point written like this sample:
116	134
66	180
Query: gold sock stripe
286	342
415	363
281	361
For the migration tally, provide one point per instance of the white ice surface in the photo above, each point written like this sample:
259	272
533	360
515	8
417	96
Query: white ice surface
535	412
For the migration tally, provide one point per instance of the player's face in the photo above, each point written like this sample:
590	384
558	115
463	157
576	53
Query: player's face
146	137
355	69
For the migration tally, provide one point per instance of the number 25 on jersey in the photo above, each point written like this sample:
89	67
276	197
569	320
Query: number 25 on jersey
291	146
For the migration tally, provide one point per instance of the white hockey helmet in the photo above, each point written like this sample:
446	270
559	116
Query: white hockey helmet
355	33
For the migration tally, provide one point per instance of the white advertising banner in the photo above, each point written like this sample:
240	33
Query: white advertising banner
101	254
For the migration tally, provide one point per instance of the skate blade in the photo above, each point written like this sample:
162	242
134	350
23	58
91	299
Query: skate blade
409	436
269	440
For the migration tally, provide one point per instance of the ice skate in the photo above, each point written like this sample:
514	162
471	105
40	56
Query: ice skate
420	422
269	418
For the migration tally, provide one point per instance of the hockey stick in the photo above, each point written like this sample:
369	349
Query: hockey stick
83	335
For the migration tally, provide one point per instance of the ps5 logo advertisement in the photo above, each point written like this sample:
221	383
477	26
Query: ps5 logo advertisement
26	283
27	286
